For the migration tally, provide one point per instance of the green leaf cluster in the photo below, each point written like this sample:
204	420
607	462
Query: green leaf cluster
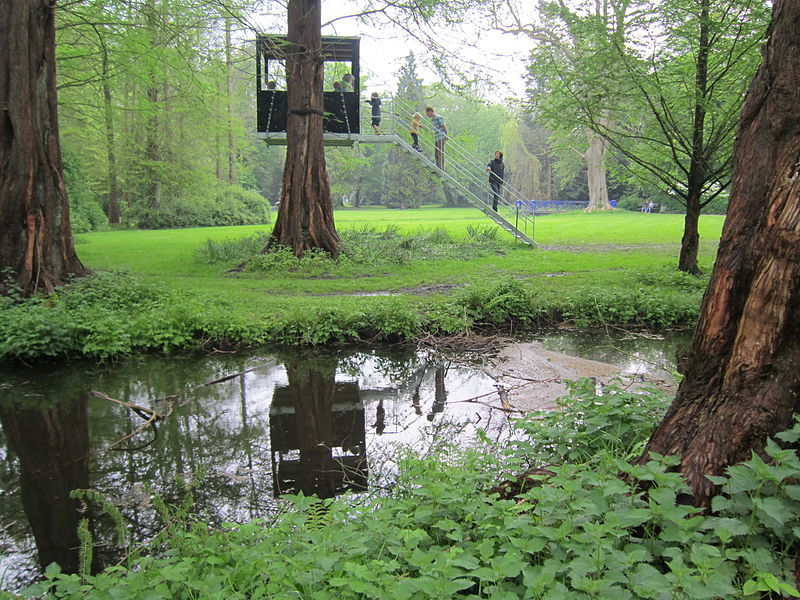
595	527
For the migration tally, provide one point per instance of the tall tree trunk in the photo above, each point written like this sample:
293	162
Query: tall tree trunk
596	172
305	217
111	152
690	242
153	151
743	377
232	151
35	234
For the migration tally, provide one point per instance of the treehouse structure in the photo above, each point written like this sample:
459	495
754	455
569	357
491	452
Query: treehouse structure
342	106
465	175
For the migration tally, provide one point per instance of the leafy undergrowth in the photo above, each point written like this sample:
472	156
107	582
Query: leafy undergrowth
365	250
109	315
584	531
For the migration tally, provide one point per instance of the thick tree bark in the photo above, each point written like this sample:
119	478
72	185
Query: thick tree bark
305	217
35	234
742	382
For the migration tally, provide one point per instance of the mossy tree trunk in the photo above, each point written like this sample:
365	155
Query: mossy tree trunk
742	382
305	217
35	235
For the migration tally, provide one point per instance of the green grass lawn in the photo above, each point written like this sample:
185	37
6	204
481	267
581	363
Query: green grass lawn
583	249
580	245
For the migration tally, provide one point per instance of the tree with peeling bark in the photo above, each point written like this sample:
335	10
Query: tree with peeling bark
742	382
36	244
571	50
305	216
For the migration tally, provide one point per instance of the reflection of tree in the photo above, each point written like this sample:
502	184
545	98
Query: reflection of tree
312	416
439	390
52	445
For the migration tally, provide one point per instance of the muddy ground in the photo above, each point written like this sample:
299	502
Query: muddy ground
532	378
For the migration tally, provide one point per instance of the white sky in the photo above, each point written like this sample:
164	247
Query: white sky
384	48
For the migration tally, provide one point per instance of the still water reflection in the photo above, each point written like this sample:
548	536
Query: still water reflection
240	431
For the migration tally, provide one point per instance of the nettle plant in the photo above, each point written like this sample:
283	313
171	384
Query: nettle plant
592	526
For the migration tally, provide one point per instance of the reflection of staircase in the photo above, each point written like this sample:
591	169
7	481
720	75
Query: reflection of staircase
464	176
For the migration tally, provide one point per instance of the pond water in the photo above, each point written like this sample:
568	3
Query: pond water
240	430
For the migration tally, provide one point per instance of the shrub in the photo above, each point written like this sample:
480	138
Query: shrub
229	205
363	250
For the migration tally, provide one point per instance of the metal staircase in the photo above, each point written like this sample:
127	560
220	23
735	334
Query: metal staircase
459	187
464	175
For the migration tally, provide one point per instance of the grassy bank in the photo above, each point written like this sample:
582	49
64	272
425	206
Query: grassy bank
616	268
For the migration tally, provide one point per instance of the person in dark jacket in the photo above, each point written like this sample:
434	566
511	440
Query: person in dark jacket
496	170
375	102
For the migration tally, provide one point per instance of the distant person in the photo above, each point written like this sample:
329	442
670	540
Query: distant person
271	85
439	135
375	102
347	82
416	123
337	86
496	170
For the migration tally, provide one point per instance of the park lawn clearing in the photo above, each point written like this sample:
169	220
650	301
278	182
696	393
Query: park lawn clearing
579	254
153	291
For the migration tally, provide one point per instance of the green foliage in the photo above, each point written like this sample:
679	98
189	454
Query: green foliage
366	249
85	212
231	251
597	528
586	426
101	316
402	276
230	205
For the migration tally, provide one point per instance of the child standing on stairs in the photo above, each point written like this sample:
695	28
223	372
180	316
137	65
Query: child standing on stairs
416	123
375	102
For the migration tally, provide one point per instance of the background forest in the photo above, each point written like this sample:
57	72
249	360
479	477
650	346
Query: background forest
157	112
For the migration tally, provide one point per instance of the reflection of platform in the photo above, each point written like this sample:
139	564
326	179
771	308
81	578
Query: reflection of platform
342	473
325	466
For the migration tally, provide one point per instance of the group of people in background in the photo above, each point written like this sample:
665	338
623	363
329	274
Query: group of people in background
495	167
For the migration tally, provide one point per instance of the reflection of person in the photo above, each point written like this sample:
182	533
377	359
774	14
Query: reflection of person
347	82
337	86
416	123
439	135
375	102
496	170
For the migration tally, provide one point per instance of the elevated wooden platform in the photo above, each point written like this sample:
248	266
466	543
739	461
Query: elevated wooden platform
278	138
